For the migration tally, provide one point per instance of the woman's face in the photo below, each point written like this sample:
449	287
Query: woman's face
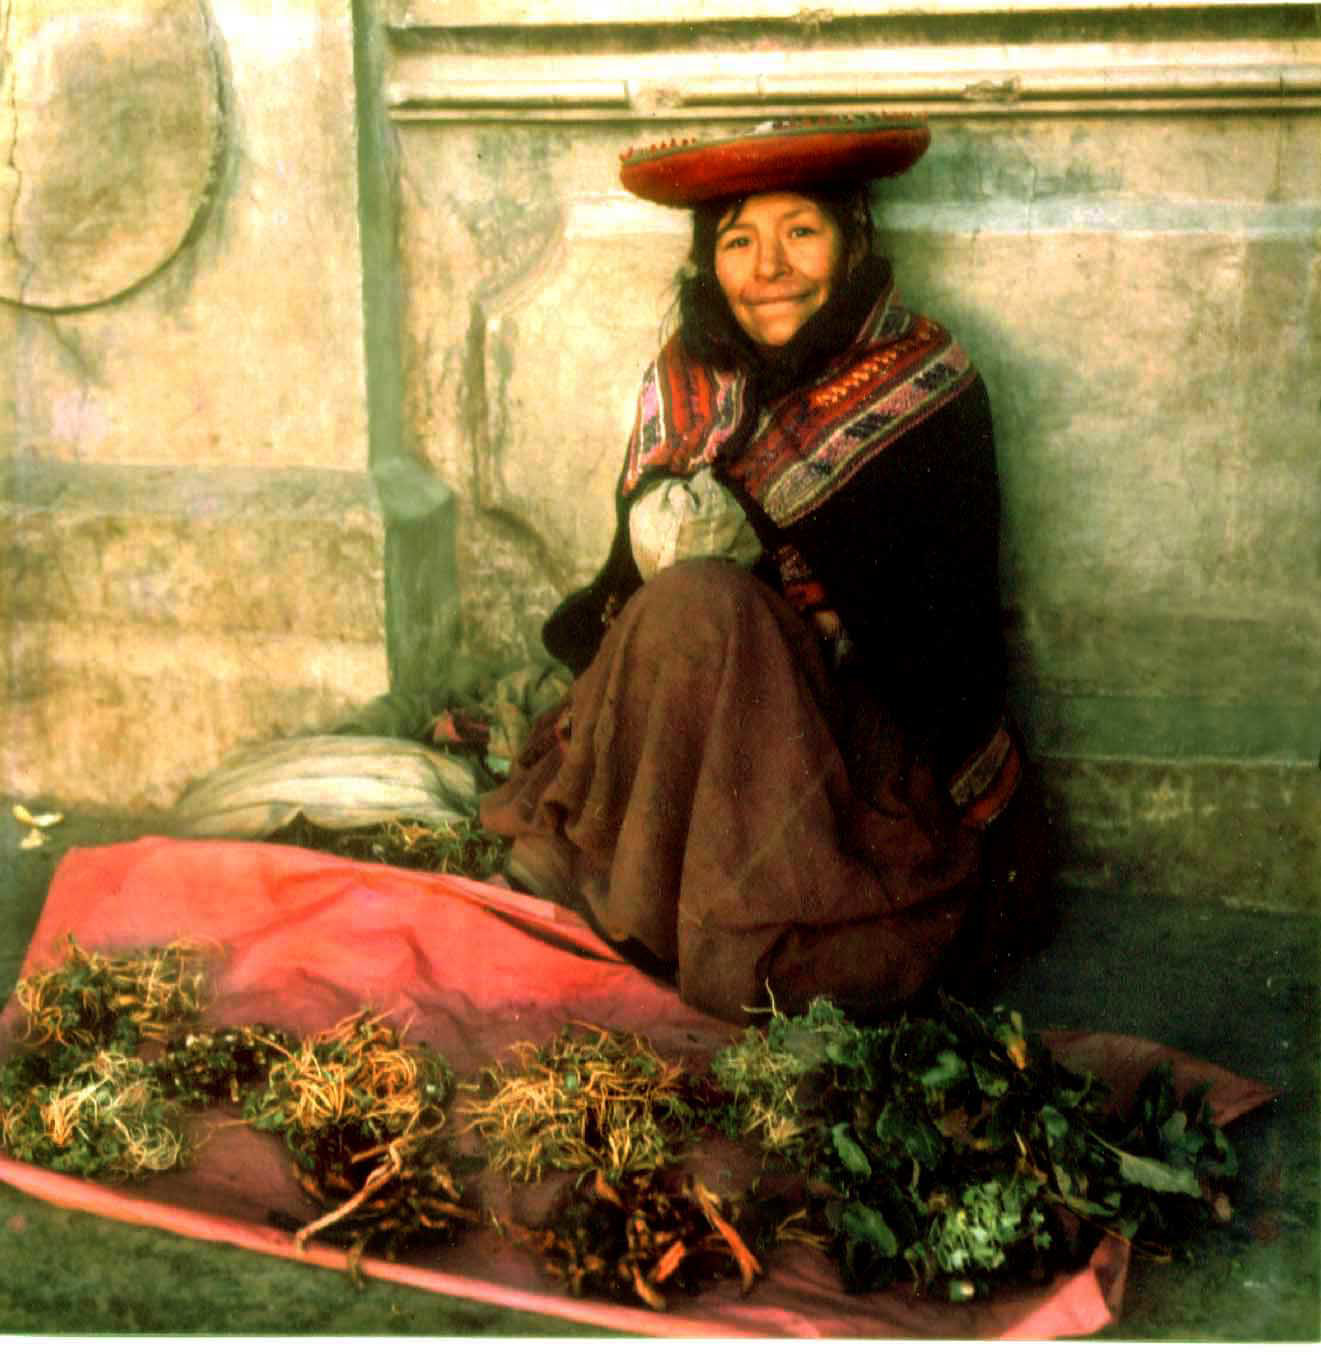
776	258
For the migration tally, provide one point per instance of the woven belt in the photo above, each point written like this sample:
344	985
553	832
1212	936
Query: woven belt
985	784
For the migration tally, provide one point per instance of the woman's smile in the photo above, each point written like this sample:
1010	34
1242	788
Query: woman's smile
776	258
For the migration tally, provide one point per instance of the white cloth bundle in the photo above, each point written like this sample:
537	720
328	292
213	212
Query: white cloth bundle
687	518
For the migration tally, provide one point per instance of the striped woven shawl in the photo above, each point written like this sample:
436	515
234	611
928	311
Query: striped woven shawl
809	443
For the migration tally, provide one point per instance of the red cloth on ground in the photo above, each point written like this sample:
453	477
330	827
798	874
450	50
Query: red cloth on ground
308	939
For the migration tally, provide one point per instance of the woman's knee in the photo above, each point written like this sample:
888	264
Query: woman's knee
699	606
705	581
711	592
710	609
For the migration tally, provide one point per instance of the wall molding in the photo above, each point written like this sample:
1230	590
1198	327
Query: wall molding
963	60
595	13
969	92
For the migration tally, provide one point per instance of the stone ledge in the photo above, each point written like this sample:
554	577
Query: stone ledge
125	716
156	617
216	551
1234	834
1085	725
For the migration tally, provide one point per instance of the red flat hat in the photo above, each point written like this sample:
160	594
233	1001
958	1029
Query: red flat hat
776	156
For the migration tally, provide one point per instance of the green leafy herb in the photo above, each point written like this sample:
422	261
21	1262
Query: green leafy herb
946	1145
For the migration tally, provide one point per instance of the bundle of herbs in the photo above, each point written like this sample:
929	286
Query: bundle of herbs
362	1113
953	1151
360	1110
75	1096
640	1238
103	1116
92	1001
589	1098
461	847
200	1068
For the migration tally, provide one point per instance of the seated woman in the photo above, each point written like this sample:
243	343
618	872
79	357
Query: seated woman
785	768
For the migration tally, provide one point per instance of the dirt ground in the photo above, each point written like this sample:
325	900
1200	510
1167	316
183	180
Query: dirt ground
1239	988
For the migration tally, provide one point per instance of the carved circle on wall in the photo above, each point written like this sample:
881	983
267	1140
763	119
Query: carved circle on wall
110	125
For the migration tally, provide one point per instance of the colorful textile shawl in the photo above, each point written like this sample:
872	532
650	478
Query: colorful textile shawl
809	443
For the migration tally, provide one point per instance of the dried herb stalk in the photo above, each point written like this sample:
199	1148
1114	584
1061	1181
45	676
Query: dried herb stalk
639	1239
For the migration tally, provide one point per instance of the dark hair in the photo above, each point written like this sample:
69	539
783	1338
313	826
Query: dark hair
706	326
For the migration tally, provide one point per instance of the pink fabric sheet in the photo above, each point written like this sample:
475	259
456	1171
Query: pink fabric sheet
308	938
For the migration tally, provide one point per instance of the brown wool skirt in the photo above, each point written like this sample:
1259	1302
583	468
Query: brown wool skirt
727	815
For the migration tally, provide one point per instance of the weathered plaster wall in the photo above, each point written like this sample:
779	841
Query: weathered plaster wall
1121	216
190	550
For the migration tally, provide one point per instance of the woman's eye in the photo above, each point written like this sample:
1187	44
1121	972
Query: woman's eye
734	242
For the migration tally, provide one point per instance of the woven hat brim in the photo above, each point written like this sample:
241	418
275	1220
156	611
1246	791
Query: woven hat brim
786	158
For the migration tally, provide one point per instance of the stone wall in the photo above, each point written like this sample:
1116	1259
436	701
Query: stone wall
190	547
1120	215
